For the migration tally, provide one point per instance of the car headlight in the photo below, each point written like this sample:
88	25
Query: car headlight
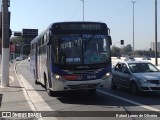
106	76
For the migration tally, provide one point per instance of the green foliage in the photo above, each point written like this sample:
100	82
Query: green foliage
17	40
127	50
20	42
115	51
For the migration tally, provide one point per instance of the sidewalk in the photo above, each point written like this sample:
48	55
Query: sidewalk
13	98
17	101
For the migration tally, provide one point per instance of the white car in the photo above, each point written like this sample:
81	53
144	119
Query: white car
19	58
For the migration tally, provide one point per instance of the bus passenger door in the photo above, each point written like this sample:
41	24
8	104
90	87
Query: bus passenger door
36	61
49	64
39	64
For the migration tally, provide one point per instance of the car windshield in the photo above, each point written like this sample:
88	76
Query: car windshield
142	67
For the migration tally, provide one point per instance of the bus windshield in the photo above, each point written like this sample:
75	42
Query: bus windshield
80	49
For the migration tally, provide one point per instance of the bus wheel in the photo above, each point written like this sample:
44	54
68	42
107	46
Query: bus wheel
91	91
36	82
49	91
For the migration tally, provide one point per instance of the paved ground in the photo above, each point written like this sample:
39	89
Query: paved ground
13	98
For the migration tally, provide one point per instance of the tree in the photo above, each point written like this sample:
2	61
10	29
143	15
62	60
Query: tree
116	51
127	49
17	40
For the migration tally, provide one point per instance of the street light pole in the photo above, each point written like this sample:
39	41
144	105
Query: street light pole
156	61
83	9
133	23
5	44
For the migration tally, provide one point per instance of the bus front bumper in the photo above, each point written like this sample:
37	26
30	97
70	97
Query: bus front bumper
61	85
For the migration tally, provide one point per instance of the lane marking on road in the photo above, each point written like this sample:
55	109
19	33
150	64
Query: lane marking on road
24	91
130	101
35	101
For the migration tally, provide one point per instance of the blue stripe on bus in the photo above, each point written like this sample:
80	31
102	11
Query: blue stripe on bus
58	71
98	75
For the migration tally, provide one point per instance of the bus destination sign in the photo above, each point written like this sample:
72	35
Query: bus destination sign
81	26
90	27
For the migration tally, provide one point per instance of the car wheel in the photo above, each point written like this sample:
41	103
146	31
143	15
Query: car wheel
134	89
113	85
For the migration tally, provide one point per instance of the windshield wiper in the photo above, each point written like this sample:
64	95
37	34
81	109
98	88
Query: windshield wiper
89	40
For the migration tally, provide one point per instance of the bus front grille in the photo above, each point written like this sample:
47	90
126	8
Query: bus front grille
83	71
83	86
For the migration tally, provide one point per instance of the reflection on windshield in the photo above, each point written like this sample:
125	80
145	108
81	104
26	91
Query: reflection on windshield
142	67
81	49
95	50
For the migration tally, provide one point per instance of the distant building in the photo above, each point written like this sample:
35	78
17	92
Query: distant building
153	46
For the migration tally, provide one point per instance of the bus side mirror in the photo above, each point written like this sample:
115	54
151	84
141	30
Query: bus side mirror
110	40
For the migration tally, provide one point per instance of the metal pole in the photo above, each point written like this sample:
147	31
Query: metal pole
133	23
83	9
156	61
5	44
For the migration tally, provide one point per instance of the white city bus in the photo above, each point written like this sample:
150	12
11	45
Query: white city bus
72	56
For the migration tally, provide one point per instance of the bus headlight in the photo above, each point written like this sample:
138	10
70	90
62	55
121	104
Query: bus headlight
57	77
106	76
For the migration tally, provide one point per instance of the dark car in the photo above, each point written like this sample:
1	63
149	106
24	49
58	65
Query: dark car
136	75
129	58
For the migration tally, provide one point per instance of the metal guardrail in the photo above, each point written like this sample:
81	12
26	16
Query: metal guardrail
115	60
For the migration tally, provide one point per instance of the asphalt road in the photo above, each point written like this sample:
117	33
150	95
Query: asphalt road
112	102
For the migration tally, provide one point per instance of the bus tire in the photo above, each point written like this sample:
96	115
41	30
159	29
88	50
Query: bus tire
47	87
36	82
49	91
